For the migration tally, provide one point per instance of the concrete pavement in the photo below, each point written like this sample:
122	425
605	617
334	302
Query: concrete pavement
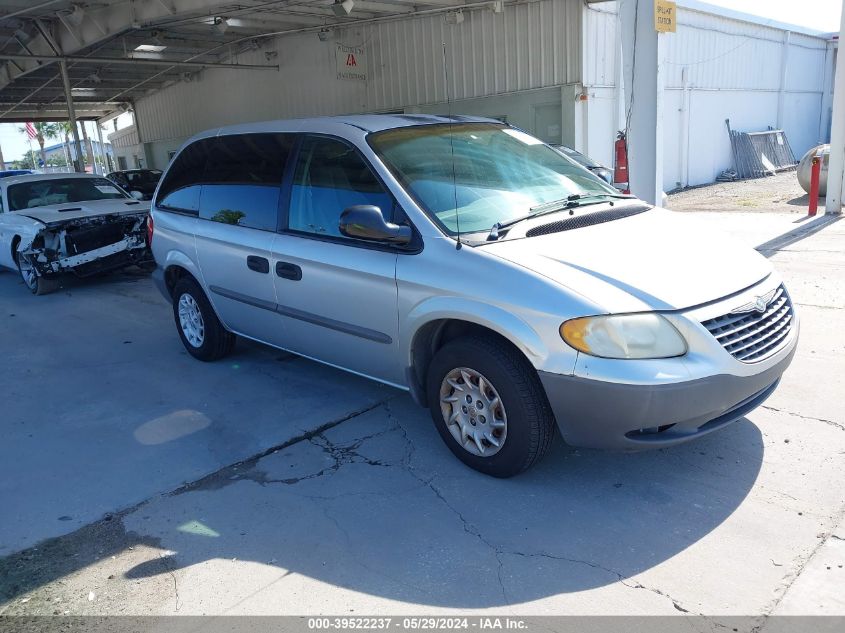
374	515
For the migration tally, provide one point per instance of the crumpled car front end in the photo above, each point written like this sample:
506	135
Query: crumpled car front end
87	246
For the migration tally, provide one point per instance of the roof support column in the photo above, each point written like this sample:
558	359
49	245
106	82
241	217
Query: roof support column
836	168
71	113
643	55
103	153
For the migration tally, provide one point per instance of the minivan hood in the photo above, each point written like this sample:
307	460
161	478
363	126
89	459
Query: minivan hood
656	260
56	213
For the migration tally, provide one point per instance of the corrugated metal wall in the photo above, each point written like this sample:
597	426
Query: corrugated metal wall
127	137
532	45
733	70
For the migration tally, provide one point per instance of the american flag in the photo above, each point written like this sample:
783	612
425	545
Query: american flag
30	131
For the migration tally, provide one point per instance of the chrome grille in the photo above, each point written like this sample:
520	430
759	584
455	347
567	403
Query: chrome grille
754	336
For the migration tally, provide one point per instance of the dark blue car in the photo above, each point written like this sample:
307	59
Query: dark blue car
15	172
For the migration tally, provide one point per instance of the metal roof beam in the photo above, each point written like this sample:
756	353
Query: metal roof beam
133	61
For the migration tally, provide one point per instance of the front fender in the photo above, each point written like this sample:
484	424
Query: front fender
505	323
23	232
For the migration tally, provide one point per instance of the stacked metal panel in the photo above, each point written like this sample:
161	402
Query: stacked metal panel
759	154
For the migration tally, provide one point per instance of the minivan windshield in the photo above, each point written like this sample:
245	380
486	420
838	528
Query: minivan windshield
471	176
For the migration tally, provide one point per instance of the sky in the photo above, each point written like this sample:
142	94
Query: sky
822	15
15	143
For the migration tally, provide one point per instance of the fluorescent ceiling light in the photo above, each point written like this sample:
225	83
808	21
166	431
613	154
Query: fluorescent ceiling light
149	48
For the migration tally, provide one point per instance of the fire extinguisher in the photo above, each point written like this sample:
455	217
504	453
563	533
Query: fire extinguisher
620	168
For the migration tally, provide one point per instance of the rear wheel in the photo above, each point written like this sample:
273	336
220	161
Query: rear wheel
37	284
201	332
488	406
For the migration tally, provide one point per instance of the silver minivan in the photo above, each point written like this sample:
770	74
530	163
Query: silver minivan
507	288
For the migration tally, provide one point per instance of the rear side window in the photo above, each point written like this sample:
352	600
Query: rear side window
180	190
243	179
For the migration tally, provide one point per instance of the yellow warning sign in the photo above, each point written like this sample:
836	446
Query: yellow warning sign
665	13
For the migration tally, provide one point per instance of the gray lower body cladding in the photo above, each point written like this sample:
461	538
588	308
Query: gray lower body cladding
596	414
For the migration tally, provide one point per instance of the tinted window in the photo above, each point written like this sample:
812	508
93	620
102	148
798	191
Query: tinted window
149	177
331	176
243	178
181	187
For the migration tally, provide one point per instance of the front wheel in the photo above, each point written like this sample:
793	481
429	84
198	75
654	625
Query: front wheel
201	332
489	406
37	284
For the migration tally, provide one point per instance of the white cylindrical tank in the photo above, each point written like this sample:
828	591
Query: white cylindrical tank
804	169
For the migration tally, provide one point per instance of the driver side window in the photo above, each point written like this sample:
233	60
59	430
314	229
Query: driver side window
331	176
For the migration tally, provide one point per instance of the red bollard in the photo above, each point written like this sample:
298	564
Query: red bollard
815	174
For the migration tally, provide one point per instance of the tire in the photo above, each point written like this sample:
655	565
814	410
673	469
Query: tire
201	332
37	284
529	424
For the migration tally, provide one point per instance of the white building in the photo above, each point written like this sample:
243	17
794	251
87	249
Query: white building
551	67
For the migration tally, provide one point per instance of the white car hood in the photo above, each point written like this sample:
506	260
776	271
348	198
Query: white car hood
657	260
87	209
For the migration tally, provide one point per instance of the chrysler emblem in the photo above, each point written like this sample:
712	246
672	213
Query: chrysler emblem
758	305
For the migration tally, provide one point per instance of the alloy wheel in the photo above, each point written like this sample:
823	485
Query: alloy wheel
190	320
28	274
473	412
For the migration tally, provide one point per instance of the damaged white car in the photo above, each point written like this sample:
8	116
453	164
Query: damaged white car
79	223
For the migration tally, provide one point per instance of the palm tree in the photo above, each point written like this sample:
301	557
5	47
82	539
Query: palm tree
65	129
43	131
89	148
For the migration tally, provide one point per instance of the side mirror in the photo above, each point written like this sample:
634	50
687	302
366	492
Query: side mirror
366	222
136	194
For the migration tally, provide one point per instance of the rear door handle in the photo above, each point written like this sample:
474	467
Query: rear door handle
288	271
258	264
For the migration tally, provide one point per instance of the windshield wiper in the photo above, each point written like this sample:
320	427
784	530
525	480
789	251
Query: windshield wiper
571	202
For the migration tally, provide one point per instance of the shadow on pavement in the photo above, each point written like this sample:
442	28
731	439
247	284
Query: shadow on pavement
378	505
796	235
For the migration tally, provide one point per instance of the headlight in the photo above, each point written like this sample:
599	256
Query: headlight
624	336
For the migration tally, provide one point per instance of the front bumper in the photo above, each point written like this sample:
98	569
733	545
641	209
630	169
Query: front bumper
598	414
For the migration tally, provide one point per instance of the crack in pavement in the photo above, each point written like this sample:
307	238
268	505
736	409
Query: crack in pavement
500	551
213	480
791	576
166	558
832	423
812	305
342	454
349	452
621	578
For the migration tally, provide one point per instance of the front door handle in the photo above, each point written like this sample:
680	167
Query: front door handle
258	264
288	271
